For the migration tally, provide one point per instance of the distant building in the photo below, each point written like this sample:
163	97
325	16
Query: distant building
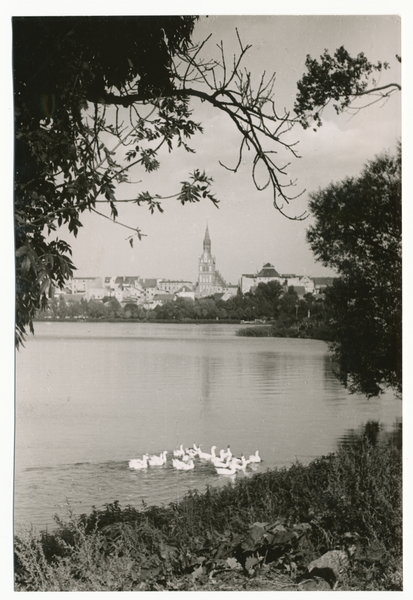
307	283
320	284
230	292
210	280
124	289
149	289
131	282
82	285
171	285
303	284
186	292
299	281
300	291
247	283
267	274
159	299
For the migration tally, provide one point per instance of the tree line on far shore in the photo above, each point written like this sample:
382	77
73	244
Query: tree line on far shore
270	303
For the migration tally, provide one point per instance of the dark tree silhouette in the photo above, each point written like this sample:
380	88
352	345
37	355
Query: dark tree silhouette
358	231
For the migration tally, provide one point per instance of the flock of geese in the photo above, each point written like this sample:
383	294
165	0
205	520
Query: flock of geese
225	462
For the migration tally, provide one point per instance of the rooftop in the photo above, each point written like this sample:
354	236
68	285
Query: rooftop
268	271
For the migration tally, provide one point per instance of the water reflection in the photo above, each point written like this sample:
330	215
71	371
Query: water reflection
329	366
211	369
375	433
268	366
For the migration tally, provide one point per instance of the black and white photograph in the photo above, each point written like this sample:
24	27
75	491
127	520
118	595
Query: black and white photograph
208	302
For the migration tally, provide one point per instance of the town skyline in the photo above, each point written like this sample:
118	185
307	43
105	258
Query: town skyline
153	291
194	279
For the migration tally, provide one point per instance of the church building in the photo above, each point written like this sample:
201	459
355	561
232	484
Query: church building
210	280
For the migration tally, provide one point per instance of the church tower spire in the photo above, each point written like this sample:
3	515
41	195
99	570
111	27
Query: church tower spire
207	241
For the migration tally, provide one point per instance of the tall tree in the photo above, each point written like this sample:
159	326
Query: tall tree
266	299
81	81
358	231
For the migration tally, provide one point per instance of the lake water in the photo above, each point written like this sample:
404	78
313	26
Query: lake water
91	396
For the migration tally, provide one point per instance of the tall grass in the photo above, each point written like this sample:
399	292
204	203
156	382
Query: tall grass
357	491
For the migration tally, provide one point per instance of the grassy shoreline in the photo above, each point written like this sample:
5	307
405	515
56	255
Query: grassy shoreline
259	533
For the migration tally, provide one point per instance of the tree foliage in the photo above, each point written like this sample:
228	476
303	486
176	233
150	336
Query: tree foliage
358	231
63	70
96	96
339	79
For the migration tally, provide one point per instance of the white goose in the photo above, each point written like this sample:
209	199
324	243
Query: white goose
205	455
179	452
240	463
158	461
191	452
230	470
226	453
181	465
195	449
137	463
254	458
220	461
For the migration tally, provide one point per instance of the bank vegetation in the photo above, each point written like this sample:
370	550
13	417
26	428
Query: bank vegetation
264	532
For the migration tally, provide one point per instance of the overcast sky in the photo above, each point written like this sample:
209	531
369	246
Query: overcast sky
247	231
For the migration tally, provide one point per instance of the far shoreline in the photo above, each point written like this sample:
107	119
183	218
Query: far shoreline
248	329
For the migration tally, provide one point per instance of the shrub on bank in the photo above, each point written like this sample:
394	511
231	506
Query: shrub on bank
304	329
258	331
283	518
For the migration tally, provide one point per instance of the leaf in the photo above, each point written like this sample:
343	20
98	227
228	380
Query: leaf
45	286
233	564
255	535
198	572
258	524
20	251
251	562
25	264
283	537
167	551
277	527
302	526
197	560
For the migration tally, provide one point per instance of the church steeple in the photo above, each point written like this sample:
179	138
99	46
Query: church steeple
209	279
207	241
